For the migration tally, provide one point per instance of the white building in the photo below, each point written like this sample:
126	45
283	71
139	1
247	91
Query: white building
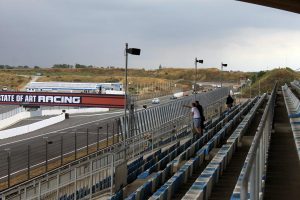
106	88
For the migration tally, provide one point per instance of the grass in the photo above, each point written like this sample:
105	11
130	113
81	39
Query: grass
12	81
268	80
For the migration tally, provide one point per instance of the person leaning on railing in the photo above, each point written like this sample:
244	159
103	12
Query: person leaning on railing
196	117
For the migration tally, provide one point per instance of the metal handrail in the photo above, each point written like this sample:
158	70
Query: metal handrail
251	163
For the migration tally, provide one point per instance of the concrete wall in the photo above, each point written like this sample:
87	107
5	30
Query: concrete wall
31	127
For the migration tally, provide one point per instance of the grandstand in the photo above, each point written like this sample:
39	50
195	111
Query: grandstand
235	158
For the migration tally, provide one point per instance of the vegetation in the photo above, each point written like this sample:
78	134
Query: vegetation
141	80
13	82
264	81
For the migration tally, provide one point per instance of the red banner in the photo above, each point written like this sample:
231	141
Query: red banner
62	99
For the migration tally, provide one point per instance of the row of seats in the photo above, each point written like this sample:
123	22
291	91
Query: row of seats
293	107
186	168
172	185
159	161
169	189
161	176
140	165
147	163
82	192
183	148
202	187
144	191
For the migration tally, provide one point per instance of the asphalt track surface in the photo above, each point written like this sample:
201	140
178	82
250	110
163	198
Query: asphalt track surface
85	125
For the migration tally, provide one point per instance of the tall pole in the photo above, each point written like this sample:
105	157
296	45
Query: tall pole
126	92
195	78
222	65
196	61
259	87
221	74
46	155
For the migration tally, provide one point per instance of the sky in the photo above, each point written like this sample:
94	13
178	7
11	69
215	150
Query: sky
170	33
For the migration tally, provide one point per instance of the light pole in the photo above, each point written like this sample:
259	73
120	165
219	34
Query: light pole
196	61
222	65
133	51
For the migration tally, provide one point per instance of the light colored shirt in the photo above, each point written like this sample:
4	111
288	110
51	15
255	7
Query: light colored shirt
196	113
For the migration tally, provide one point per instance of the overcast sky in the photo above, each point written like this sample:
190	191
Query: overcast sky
170	33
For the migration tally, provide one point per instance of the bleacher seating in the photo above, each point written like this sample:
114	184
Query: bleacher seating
187	169
293	107
166	159
202	187
160	163
84	191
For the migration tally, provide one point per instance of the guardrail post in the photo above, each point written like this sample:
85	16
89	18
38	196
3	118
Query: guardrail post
113	142
91	179
107	126
57	189
87	141
28	162
39	190
46	147
61	150
98	137
257	177
75	145
8	166
244	189
252	181
75	182
112	173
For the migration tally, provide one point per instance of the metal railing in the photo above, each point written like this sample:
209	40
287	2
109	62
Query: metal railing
251	182
11	113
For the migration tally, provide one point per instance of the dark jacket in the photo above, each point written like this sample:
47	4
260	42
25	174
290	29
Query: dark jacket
229	100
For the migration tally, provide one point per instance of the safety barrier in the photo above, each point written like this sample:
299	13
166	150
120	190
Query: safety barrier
250	183
19	114
47	111
13	116
293	107
148	119
202	187
11	113
31	127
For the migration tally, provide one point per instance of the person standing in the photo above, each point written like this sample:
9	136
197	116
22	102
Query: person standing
202	117
196	117
229	102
